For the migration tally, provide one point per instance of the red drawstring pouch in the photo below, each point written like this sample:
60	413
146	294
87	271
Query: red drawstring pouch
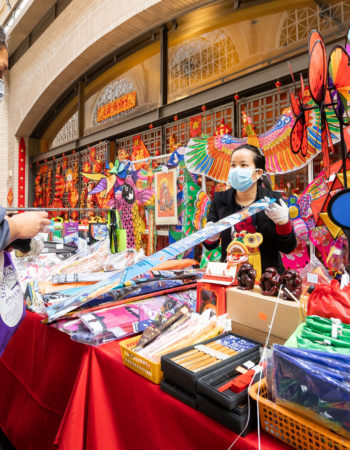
328	300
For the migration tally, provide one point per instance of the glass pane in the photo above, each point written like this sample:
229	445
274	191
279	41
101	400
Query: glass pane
233	42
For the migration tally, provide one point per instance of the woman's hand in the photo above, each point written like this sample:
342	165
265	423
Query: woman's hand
278	212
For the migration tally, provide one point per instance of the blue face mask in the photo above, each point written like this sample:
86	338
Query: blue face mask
240	178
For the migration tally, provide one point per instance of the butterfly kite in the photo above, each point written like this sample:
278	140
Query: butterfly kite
211	156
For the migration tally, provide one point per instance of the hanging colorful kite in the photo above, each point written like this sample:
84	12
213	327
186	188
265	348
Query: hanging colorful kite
211	156
114	177
126	201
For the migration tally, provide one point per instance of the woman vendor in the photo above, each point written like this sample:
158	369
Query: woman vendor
249	184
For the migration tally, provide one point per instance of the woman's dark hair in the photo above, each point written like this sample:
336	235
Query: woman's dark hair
259	161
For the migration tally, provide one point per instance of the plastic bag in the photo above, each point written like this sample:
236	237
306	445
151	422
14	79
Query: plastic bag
12	309
314	390
328	300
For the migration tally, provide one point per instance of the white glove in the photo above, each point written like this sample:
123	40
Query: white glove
278	212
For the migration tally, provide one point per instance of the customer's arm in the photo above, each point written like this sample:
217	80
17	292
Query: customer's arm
23	226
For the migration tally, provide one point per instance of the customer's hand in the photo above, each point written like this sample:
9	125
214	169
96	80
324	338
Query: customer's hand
213	238
27	225
278	212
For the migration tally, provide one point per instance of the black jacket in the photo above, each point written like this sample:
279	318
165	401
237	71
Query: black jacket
224	204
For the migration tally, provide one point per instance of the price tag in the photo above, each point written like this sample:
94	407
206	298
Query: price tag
312	278
345	280
59	246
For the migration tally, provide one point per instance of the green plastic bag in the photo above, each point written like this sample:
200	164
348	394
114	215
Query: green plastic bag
121	234
327	335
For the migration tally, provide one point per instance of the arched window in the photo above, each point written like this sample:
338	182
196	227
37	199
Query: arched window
299	22
112	91
68	132
201	59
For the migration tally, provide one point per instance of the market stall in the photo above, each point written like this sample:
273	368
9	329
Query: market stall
138	318
97	403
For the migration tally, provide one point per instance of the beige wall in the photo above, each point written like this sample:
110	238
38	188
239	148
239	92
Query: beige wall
5	180
83	33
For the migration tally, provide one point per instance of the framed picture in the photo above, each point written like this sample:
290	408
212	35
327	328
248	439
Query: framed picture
166	197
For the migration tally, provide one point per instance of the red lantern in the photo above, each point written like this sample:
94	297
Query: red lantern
175	117
150	126
204	108
278	84
236	97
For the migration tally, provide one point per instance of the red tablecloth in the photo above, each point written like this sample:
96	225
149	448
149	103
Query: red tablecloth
85	397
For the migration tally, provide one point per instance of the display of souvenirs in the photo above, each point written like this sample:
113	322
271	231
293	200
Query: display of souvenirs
292	281
246	276
270	282
187	330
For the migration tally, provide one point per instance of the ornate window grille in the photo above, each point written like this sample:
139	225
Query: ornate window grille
152	140
68	132
201	59
264	109
211	119
299	22
112	91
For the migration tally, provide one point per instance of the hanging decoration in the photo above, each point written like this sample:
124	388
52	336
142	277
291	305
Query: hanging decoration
10	197
72	179
59	191
139	151
222	129
39	191
123	155
96	163
47	188
195	126
21	172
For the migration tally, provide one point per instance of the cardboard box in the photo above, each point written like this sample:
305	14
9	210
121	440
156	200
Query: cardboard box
254	310
255	335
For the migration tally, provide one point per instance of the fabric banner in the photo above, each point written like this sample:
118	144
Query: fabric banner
118	279
117	106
